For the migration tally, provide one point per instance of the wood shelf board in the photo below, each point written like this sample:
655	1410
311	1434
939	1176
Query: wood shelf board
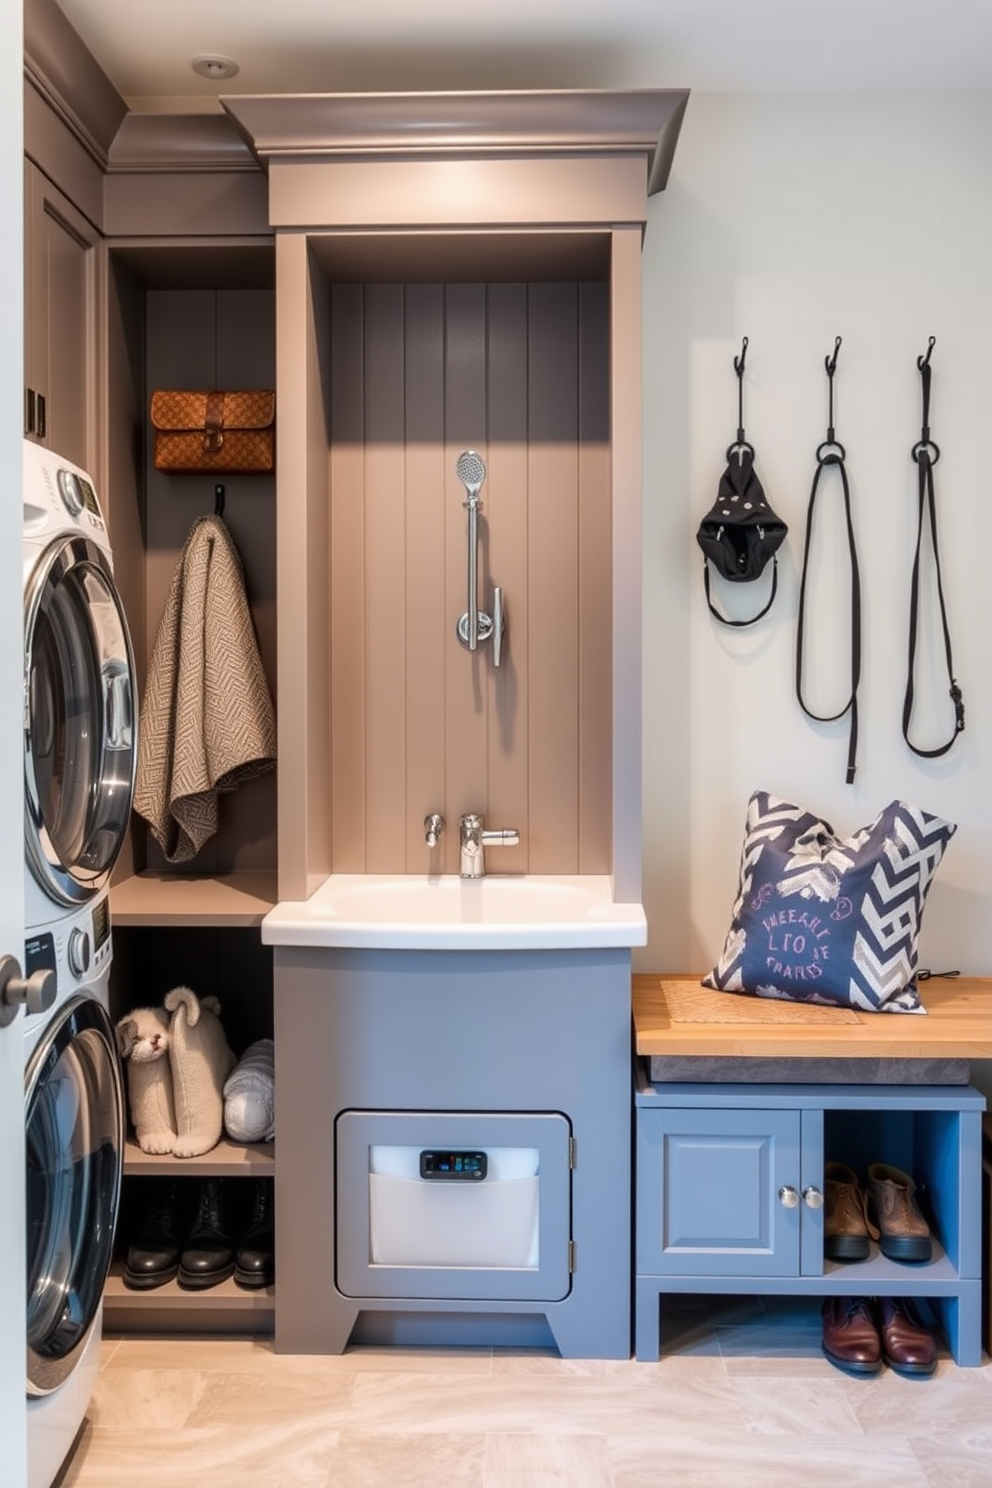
227	1160
234	899
226	1296
958	1023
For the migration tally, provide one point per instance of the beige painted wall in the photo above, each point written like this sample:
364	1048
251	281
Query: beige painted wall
794	219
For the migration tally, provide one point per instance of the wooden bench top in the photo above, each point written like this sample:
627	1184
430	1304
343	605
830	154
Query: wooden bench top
958	1024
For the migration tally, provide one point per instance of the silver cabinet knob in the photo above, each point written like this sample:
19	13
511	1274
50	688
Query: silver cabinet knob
35	993
812	1197
788	1196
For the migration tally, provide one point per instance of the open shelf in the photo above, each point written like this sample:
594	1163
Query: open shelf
225	1308
226	1295
227	1160
174	899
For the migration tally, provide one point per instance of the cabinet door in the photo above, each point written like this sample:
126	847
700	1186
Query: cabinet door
59	321
453	1204
718	1192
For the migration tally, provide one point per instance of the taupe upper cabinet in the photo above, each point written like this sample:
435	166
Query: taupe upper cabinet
59	320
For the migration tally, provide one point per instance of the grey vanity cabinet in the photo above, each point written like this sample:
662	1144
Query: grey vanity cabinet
730	1187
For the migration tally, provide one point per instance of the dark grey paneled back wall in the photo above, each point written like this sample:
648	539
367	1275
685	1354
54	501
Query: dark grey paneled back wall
519	372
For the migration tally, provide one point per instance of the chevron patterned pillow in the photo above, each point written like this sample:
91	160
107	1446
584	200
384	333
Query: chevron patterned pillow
819	918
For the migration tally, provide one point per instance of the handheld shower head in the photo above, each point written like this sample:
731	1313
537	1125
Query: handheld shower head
470	468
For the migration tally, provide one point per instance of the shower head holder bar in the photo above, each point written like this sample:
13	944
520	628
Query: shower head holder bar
475	625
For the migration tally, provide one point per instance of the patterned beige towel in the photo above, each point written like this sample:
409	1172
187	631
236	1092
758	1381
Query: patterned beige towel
207	721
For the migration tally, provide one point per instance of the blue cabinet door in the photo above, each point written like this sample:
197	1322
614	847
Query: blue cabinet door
718	1192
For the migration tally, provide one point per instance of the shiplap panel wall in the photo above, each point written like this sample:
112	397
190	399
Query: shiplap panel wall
419	373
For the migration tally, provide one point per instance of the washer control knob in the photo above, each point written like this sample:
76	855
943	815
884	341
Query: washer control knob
35	993
69	490
79	952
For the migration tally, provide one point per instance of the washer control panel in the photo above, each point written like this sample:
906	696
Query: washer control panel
77	948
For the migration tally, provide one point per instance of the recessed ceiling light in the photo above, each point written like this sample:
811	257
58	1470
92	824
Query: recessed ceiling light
215	67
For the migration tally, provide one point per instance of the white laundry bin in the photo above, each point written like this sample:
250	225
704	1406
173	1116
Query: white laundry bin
478	1209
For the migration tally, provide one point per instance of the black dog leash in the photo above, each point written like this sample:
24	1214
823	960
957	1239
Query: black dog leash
926	454
831	453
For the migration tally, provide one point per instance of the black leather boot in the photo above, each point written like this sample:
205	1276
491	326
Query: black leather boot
153	1254
208	1255
255	1261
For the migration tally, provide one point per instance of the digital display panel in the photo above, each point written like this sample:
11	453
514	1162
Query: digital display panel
89	498
453	1165
101	923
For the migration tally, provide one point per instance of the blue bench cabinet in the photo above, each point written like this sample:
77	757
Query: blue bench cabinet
729	1184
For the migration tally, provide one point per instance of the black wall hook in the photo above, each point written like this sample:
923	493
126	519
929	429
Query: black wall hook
219	499
830	362
739	369
924	361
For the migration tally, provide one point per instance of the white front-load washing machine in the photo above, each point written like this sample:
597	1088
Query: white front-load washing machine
80	737
74	1140
80	751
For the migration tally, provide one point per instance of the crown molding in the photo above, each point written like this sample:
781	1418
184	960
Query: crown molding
309	126
179	142
255	129
58	64
70	80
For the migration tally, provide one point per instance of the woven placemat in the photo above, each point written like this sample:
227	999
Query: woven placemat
689	1002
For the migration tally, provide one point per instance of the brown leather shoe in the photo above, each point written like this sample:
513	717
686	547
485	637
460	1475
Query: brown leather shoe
850	1337
907	1344
845	1235
902	1232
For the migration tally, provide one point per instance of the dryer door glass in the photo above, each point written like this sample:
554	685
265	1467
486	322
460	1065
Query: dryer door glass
75	1140
80	738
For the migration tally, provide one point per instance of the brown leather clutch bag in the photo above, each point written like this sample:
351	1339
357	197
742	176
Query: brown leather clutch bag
212	432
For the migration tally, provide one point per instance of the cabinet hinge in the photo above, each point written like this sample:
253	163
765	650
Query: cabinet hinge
571	1256
573	1160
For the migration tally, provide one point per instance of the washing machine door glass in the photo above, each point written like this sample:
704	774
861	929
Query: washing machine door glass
74	1113
79	736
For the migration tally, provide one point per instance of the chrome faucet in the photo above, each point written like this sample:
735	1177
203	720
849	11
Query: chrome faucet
433	827
474	839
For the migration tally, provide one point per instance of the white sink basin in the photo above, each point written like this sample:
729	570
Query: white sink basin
446	913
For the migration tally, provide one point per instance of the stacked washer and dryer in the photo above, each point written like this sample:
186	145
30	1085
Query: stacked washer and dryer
80	743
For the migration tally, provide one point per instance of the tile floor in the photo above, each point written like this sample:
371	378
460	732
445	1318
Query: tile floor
742	1398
